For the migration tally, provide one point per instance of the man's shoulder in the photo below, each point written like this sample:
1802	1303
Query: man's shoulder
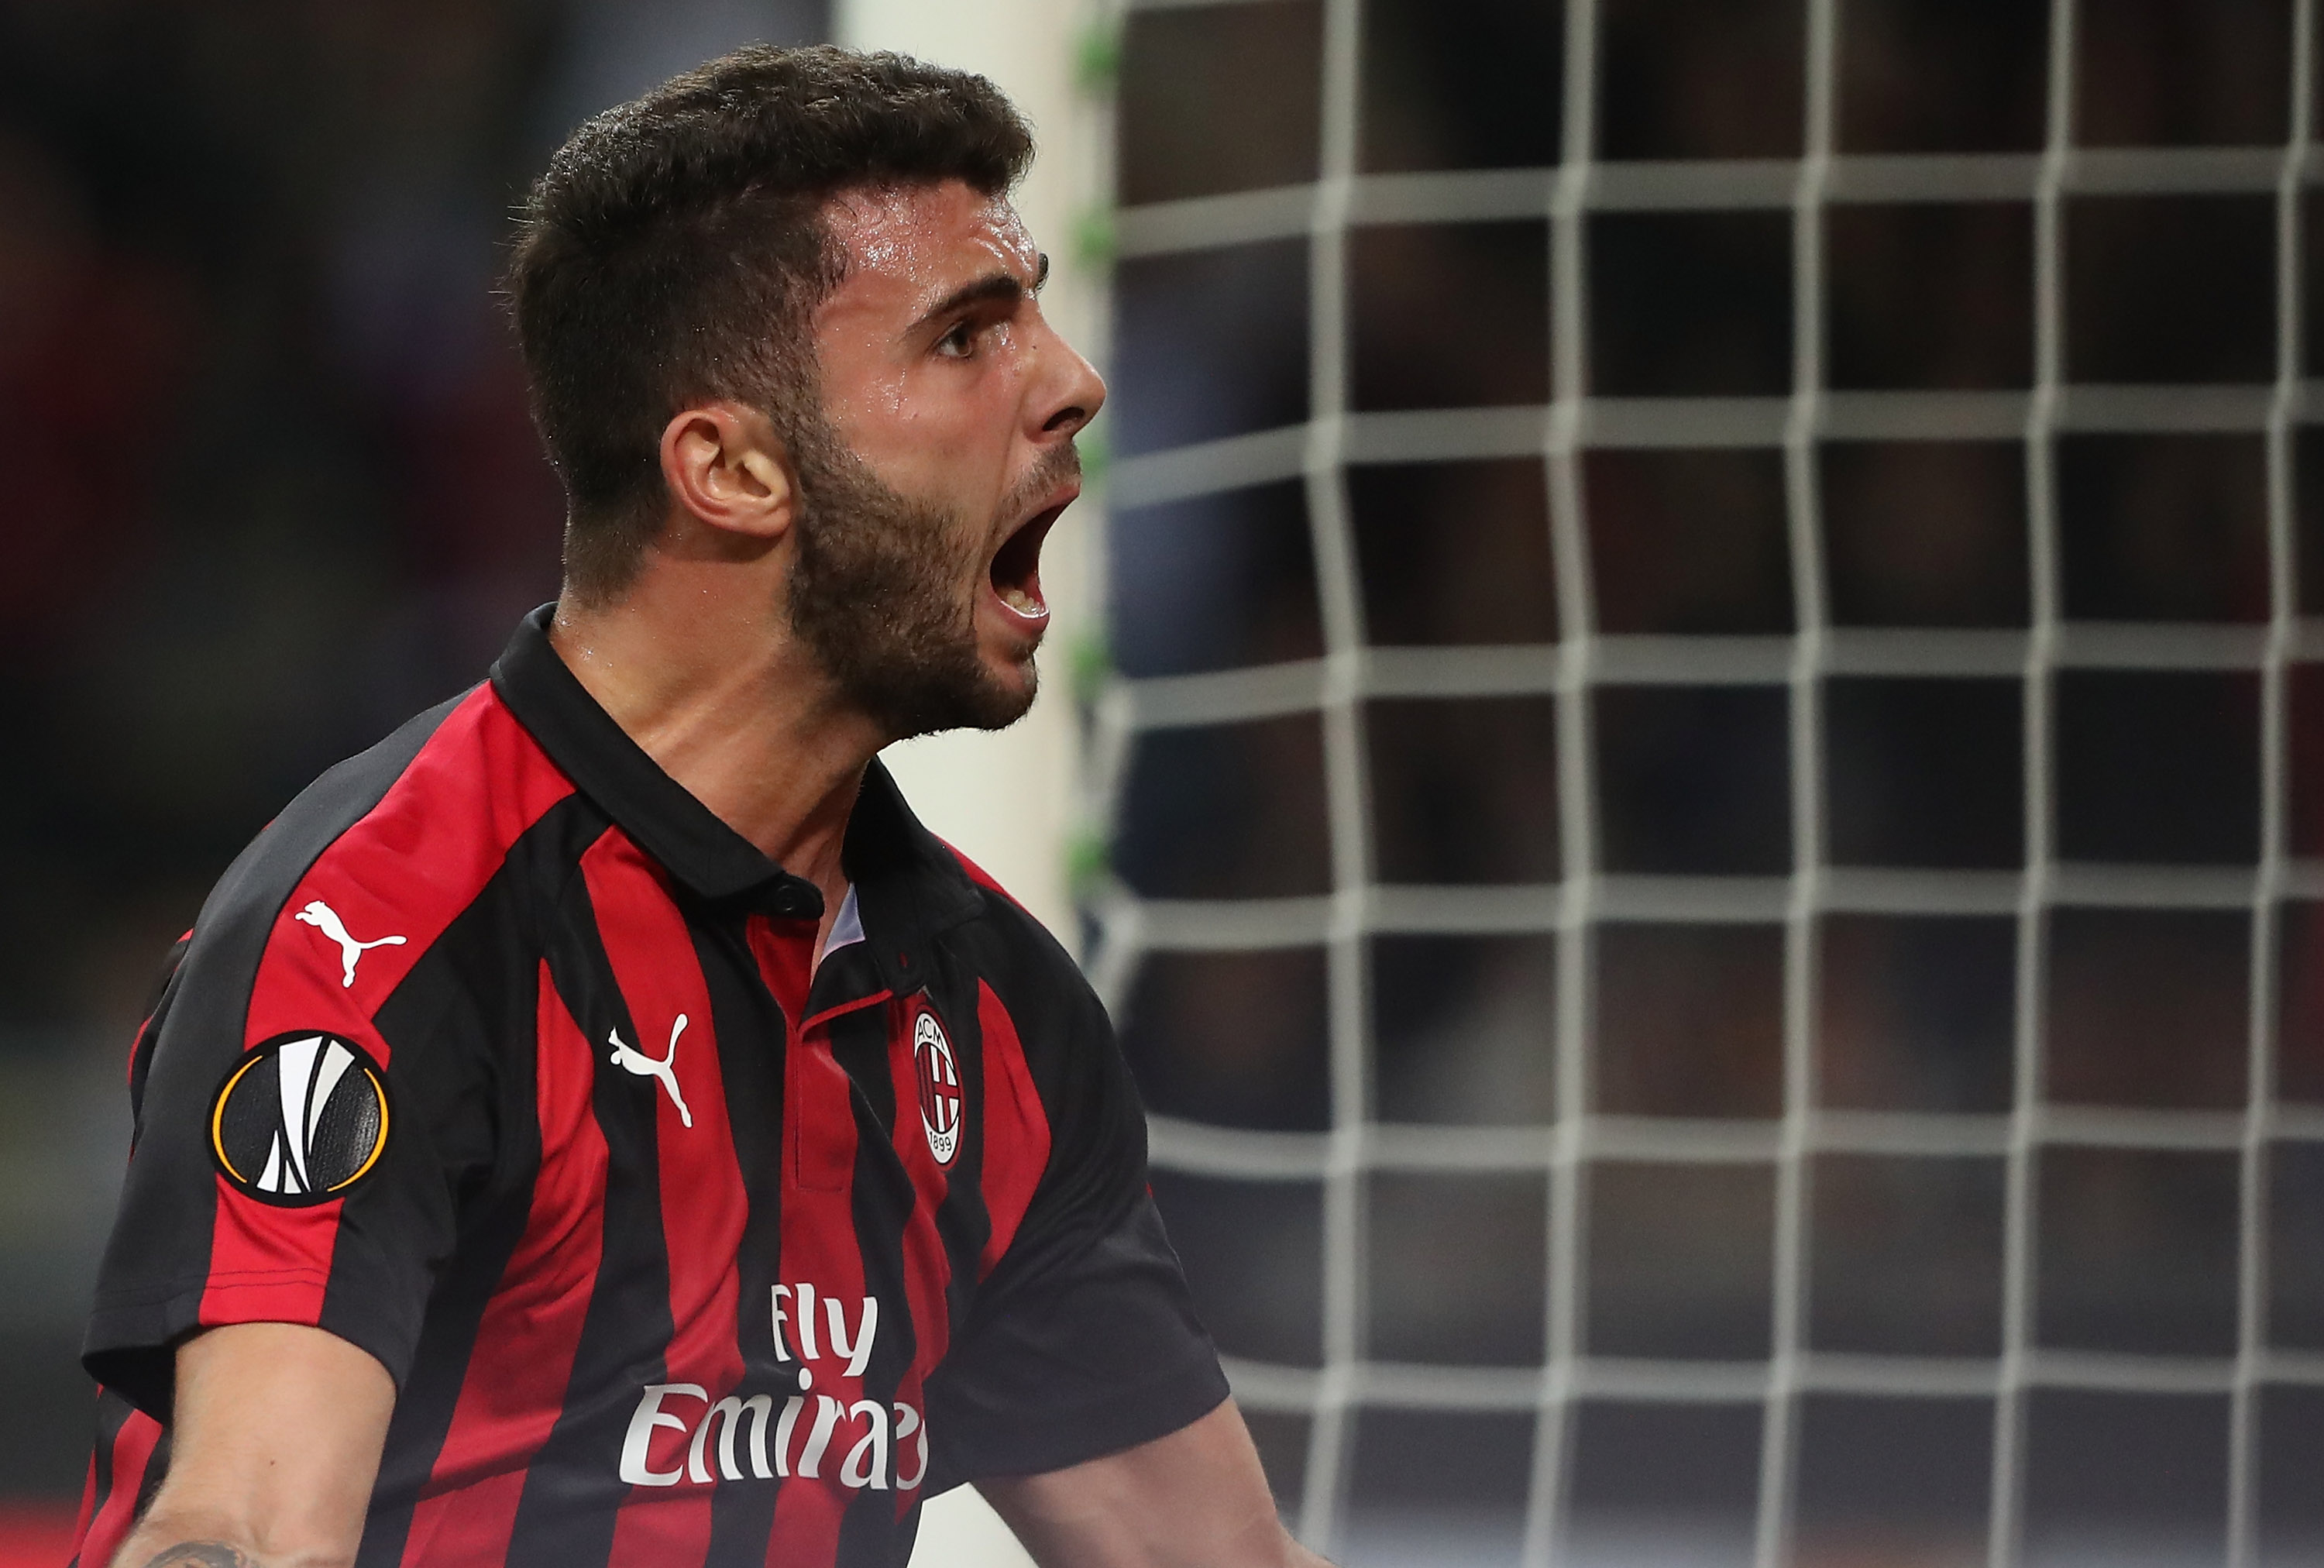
1024	969
413	819
1017	936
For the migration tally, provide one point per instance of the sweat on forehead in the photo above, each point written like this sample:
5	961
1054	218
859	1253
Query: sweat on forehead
908	227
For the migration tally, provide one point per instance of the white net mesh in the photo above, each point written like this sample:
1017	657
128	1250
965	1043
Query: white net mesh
1603	1151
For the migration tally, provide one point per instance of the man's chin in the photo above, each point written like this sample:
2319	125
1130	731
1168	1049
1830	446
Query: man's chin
993	702
1002	700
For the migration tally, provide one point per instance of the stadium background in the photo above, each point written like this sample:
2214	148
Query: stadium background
1700	788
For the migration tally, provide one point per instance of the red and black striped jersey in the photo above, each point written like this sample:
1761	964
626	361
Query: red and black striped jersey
500	1057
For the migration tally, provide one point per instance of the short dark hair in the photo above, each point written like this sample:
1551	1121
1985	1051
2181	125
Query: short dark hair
675	249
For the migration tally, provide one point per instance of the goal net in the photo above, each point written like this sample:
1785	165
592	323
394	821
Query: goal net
1713	772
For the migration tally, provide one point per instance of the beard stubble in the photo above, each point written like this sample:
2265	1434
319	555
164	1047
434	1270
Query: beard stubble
875	592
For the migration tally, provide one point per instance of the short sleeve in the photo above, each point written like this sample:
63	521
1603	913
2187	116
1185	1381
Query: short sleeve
291	1162
1084	1339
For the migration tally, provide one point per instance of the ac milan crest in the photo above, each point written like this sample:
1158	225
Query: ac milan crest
940	1096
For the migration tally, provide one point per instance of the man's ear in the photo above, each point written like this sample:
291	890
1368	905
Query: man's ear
725	465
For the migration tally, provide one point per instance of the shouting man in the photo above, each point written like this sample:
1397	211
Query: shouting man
599	1125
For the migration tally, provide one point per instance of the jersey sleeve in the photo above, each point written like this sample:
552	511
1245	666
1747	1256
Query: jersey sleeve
290	1163
1083	1340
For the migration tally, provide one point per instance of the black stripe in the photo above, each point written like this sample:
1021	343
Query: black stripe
859	1044
163	1235
473	1000
565	1517
751	1051
963	1222
157	1470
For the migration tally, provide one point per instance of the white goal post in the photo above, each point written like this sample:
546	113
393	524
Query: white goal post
1008	799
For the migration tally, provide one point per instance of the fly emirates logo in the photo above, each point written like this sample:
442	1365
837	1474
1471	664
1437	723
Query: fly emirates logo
816	1436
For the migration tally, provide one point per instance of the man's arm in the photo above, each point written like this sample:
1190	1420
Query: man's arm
276	1439
1195	1499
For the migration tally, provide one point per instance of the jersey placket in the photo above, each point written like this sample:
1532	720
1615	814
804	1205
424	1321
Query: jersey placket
824	1317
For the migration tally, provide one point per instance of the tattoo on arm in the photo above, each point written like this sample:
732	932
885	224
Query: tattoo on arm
199	1555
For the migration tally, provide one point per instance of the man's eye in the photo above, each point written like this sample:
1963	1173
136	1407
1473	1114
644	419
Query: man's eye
959	342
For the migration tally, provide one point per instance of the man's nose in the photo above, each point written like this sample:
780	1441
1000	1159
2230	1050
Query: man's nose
1072	391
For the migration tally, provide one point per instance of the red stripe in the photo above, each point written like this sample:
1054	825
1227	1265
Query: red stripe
1016	1128
818	1247
661	1527
704	1203
468	1528
407	869
109	1525
509	1401
87	1501
807	1525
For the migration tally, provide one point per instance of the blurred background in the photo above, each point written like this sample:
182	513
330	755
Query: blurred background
1691	763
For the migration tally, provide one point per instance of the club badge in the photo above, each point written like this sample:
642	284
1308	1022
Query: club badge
300	1119
940	1095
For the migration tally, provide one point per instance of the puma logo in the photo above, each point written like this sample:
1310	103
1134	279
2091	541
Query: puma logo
636	1061
326	919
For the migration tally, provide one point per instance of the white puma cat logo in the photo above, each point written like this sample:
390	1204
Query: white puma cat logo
643	1066
326	919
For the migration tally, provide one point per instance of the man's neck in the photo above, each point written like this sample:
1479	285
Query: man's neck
713	689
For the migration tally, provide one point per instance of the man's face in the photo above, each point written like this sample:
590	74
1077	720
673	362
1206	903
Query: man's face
945	453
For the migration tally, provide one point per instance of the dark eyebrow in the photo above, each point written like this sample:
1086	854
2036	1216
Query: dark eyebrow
996	286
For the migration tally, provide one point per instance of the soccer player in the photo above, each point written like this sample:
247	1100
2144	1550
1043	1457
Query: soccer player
599	1125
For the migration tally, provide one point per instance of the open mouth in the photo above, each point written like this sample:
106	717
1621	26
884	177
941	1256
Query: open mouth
1016	565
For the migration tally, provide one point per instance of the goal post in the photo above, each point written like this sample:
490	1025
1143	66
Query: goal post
1009	800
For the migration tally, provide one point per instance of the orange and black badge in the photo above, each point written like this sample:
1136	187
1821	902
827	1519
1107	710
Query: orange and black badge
300	1119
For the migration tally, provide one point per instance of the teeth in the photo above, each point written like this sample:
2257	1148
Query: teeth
1018	600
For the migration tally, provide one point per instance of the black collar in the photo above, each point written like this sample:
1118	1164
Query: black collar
907	885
